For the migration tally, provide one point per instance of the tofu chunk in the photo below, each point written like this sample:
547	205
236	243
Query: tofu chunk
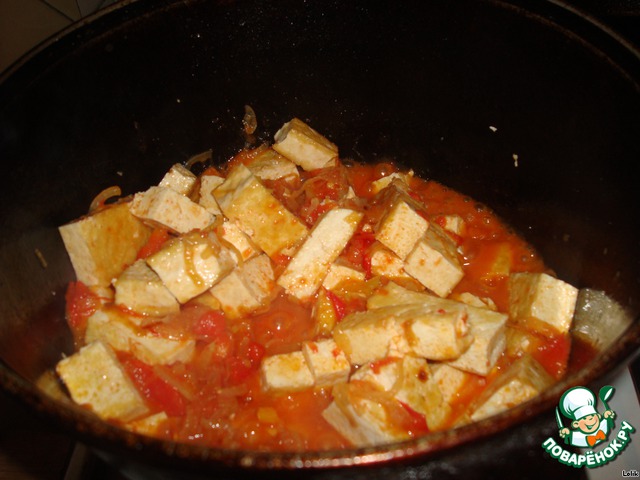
474	300
433	331
487	327
192	264
140	290
369	336
149	426
378	185
304	146
180	179
522	381
401	226
241	245
95	379
286	372
208	183
247	288
434	262
328	364
411	382
451	223
385	263
542	302
437	333
166	207
307	269
248	203
339	273
115	328
392	294
450	380
103	244
360	418
270	165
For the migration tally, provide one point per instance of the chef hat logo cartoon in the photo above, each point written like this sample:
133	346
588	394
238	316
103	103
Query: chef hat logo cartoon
588	427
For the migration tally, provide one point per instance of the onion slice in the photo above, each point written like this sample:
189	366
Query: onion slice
99	201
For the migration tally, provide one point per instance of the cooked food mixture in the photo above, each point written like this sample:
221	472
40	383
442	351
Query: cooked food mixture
293	300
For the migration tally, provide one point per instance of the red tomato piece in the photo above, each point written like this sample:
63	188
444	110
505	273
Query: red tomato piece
339	306
81	303
211	325
238	370
161	395
414	422
254	352
553	354
156	241
357	250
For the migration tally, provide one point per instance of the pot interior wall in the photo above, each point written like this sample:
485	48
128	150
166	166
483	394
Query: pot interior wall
490	99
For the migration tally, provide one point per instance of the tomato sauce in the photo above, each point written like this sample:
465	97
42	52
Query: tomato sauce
217	398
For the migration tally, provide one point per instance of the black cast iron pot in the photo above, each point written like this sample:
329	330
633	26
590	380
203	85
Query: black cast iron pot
527	106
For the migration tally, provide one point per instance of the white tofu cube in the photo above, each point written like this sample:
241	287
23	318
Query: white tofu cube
95	379
103	244
474	300
361	419
113	327
542	302
241	245
411	382
140	290
245	201
180	179
304	146
378	185
340	274
247	288
438	333
149	426
307	269
369	336
451	223
385	263
190	265
488	329
270	165
434	262
521	341
328	364
170	209
208	183
522	381
450	381
258	275
401	227
286	372
392	294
